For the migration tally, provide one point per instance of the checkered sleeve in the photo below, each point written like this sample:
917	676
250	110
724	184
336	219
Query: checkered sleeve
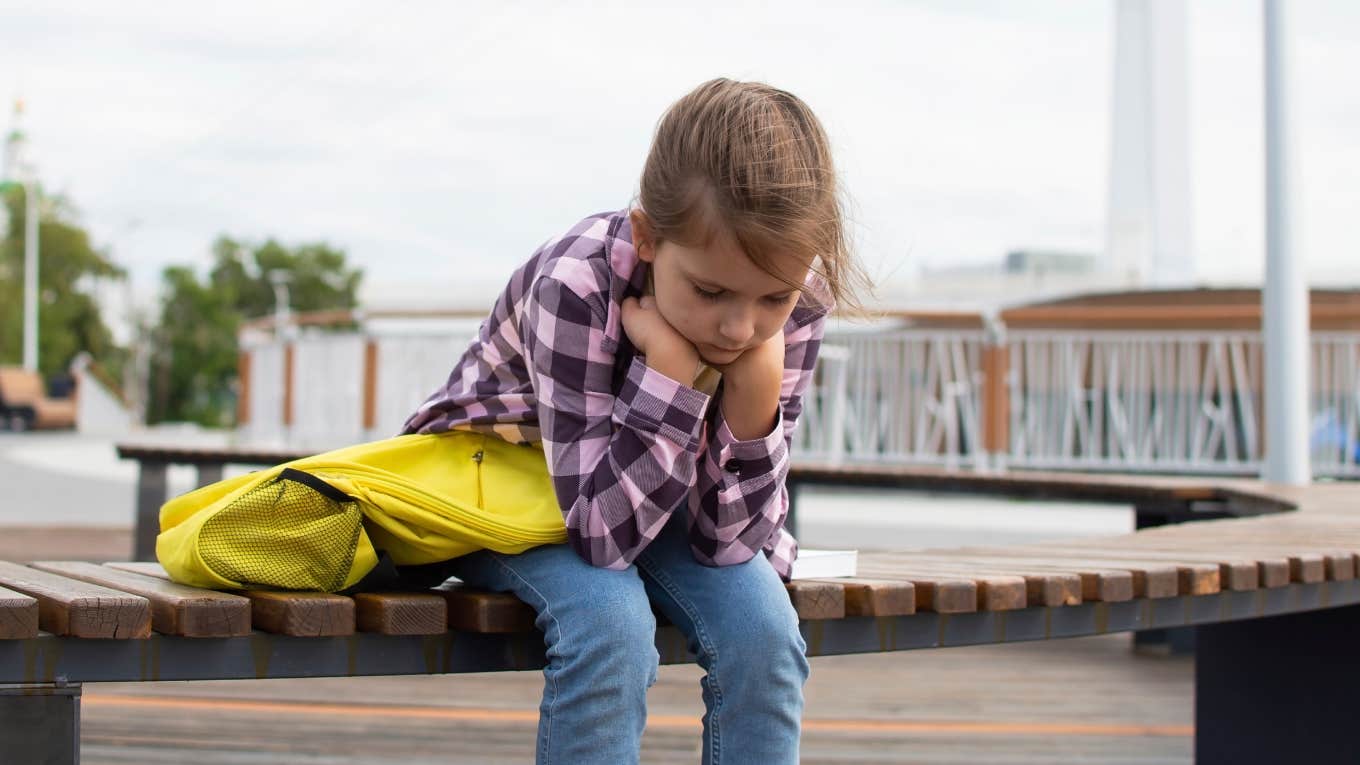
740	500
621	462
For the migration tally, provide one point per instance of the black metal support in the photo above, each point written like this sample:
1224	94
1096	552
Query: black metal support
151	491
1278	689
40	724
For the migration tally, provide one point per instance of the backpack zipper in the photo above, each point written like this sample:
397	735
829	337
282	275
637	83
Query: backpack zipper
477	458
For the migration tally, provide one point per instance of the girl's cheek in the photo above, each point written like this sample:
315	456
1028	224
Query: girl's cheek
692	320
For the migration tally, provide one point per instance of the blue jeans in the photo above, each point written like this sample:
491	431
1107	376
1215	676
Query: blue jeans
600	635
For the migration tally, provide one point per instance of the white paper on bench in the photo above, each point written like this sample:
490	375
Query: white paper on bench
823	564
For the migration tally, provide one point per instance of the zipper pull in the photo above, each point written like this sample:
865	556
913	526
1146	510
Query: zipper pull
477	457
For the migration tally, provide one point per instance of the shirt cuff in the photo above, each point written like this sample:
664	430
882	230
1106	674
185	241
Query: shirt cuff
651	402
754	456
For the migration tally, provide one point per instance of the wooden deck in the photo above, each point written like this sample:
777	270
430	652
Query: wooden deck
1089	701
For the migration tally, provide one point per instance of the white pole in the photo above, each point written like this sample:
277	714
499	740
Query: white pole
31	275
1285	296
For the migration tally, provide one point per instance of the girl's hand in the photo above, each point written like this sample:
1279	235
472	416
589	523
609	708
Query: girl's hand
667	351
751	387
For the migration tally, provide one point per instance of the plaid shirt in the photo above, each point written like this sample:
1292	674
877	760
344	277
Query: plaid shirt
625	445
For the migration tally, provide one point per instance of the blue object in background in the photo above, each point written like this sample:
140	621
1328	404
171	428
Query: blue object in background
1330	434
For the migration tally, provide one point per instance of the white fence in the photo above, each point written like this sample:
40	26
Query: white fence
1183	402
338	396
1170	402
899	396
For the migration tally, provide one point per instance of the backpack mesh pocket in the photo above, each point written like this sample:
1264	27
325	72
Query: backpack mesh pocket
296	532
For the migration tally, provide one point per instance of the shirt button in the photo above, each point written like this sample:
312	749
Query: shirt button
733	466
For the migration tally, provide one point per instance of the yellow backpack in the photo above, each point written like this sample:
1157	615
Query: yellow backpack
318	523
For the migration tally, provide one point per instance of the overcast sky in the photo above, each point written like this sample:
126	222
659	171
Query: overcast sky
439	145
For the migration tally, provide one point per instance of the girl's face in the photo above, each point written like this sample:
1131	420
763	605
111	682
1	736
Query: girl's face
715	296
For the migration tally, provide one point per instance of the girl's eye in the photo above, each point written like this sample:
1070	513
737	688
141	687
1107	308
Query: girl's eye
705	294
717	295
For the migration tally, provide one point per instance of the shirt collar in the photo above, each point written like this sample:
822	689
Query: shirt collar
627	275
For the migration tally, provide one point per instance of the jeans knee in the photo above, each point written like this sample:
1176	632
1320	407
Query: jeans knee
613	632
768	639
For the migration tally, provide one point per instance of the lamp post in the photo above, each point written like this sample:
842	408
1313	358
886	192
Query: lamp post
18	172
30	188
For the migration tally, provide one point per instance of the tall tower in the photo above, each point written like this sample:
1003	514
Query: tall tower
1148	219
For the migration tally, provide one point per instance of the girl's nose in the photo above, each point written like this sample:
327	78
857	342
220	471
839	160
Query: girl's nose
737	327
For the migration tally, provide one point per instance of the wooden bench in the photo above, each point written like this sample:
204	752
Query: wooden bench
1269	585
24	403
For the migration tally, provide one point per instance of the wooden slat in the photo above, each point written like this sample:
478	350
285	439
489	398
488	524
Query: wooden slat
817	600
1311	552
993	593
943	593
401	613
1340	567
1150	580
876	597
1189	578
940	595
1106	584
474	610
302	614
18	615
176	609
1235	572
78	609
1275	566
1300	565
1042	588
1307	567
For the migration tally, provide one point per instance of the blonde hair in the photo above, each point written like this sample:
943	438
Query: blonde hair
753	162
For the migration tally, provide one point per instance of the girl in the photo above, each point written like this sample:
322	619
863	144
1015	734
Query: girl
660	355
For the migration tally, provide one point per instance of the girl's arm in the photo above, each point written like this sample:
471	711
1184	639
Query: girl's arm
740	500
619	464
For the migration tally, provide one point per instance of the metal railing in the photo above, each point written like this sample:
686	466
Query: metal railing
902	396
1167	402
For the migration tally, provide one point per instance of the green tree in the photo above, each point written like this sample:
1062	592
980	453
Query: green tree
193	366
69	320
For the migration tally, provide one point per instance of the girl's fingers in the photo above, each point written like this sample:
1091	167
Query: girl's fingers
647	302
632	324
